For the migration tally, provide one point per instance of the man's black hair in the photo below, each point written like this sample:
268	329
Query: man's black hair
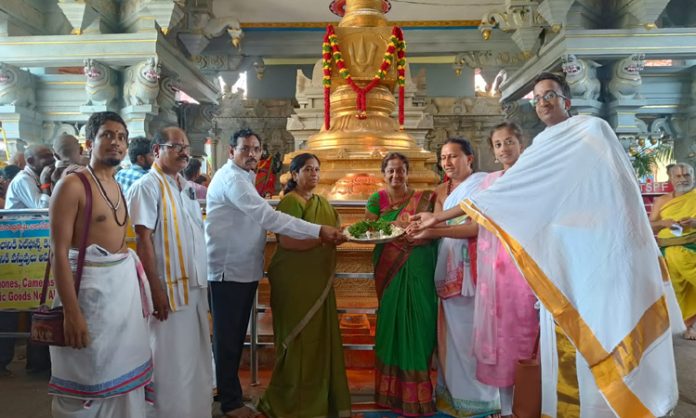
98	119
243	133
193	168
138	146
162	135
565	88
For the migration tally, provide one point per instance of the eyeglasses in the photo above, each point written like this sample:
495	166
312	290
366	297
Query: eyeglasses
548	96
178	148
248	150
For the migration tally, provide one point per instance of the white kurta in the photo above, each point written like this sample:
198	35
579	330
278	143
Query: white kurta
182	381
571	215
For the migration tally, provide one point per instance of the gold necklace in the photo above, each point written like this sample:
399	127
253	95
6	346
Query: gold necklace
396	204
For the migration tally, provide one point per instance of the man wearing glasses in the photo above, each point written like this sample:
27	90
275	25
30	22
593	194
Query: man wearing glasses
236	224
171	244
571	214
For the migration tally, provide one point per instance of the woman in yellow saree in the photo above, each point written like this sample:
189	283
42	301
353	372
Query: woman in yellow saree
407	314
309	377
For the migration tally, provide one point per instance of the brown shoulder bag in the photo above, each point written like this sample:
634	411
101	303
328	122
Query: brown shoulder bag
46	323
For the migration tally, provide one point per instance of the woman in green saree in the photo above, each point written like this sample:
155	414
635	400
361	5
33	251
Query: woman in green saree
309	377
407	313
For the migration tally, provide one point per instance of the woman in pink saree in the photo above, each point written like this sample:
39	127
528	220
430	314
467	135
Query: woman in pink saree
506	322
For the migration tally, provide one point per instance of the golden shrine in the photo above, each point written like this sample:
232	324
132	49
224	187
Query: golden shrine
352	147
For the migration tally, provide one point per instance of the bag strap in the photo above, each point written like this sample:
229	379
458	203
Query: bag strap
83	243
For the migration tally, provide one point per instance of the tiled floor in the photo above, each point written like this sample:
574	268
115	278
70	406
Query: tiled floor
24	396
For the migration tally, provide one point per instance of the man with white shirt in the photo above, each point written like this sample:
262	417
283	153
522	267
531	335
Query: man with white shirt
171	244
31	187
235	228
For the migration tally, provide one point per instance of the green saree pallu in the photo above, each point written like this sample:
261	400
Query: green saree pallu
309	377
407	315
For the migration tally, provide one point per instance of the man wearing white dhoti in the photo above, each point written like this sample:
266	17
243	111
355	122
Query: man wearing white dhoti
171	242
571	215
102	370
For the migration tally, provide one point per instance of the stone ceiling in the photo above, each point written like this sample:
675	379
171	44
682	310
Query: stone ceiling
257	11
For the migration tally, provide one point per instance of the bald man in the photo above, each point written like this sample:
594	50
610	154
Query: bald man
31	187
68	153
18	159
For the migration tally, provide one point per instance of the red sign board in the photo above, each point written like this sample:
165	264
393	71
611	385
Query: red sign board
656	188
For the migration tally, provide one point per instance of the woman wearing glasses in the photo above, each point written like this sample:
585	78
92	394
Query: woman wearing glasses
309	377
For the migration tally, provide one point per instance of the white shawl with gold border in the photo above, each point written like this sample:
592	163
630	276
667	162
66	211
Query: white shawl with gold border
571	214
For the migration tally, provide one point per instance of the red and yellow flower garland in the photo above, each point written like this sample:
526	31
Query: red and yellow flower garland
331	52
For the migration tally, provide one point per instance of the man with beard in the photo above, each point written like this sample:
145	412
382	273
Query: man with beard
102	370
571	215
673	218
235	229
140	154
169	226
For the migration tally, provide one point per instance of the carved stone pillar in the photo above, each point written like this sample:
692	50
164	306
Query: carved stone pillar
140	91
18	104
465	117
101	88
166	102
267	117
624	91
198	123
585	88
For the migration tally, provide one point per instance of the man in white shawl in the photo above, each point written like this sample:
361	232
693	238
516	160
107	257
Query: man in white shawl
571	215
171	242
102	370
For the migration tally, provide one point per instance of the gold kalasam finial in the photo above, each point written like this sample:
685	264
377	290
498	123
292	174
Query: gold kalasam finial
363	14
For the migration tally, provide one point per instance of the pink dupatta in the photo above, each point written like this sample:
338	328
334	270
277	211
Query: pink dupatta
485	309
504	304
